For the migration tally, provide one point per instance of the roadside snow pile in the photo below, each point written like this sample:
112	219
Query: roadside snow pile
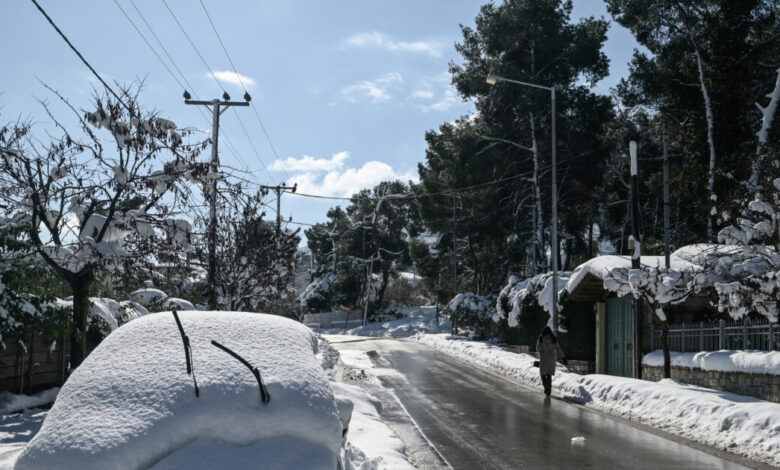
417	320
750	362
10	402
370	443
132	405
735	423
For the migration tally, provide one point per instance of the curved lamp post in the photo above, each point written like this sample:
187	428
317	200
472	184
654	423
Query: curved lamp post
492	80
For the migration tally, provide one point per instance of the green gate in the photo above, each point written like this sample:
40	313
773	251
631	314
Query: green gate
619	335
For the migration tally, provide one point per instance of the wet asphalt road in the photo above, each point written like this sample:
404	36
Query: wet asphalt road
476	419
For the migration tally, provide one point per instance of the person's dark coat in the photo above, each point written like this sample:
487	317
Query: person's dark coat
549	353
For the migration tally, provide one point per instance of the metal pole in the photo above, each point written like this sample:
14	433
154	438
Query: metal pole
666	201
554	228
635	255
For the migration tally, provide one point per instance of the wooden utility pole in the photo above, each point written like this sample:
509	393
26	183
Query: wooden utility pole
217	108
279	189
636	254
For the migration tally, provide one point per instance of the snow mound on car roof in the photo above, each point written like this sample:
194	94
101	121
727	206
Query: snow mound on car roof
132	405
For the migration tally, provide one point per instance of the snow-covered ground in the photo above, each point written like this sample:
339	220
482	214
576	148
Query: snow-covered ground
743	425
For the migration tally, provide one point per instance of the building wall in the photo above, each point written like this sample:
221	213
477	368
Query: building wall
762	386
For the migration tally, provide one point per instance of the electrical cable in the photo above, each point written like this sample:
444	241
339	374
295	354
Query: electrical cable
240	80
80	56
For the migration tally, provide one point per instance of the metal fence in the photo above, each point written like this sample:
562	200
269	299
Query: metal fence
716	335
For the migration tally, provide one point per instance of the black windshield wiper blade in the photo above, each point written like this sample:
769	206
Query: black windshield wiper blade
265	397
187	353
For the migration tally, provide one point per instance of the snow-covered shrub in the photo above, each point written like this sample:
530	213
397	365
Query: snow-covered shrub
151	298
469	309
519	295
318	295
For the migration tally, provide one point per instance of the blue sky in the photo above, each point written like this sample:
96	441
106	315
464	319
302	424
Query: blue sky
346	88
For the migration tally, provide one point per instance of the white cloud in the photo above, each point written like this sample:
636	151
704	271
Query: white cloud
328	177
421	95
308	163
377	39
447	100
376	91
233	78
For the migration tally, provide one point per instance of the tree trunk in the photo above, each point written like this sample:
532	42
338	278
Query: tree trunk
80	284
665	347
767	116
710	143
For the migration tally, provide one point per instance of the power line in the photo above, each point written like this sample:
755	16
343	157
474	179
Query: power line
147	42
189	86
415	196
219	84
241	81
80	56
197	51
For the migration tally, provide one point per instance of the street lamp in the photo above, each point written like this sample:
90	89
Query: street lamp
492	80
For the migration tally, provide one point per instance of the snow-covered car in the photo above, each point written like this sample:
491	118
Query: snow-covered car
132	404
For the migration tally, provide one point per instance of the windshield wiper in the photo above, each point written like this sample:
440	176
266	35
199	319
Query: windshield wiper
265	397
187	353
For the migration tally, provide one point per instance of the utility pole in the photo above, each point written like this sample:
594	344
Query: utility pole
217	108
636	253
278	189
666	201
554	227
454	252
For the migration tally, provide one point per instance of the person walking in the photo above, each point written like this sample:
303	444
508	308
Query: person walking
549	353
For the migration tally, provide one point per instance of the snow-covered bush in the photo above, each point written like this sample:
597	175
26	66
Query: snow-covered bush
151	298
476	311
318	295
520	294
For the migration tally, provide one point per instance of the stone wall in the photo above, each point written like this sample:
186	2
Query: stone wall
763	386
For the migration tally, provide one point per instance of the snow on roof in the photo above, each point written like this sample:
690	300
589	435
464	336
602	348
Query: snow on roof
699	252
132	405
601	266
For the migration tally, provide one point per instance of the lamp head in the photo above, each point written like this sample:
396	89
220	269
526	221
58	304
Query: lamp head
632	151
491	79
